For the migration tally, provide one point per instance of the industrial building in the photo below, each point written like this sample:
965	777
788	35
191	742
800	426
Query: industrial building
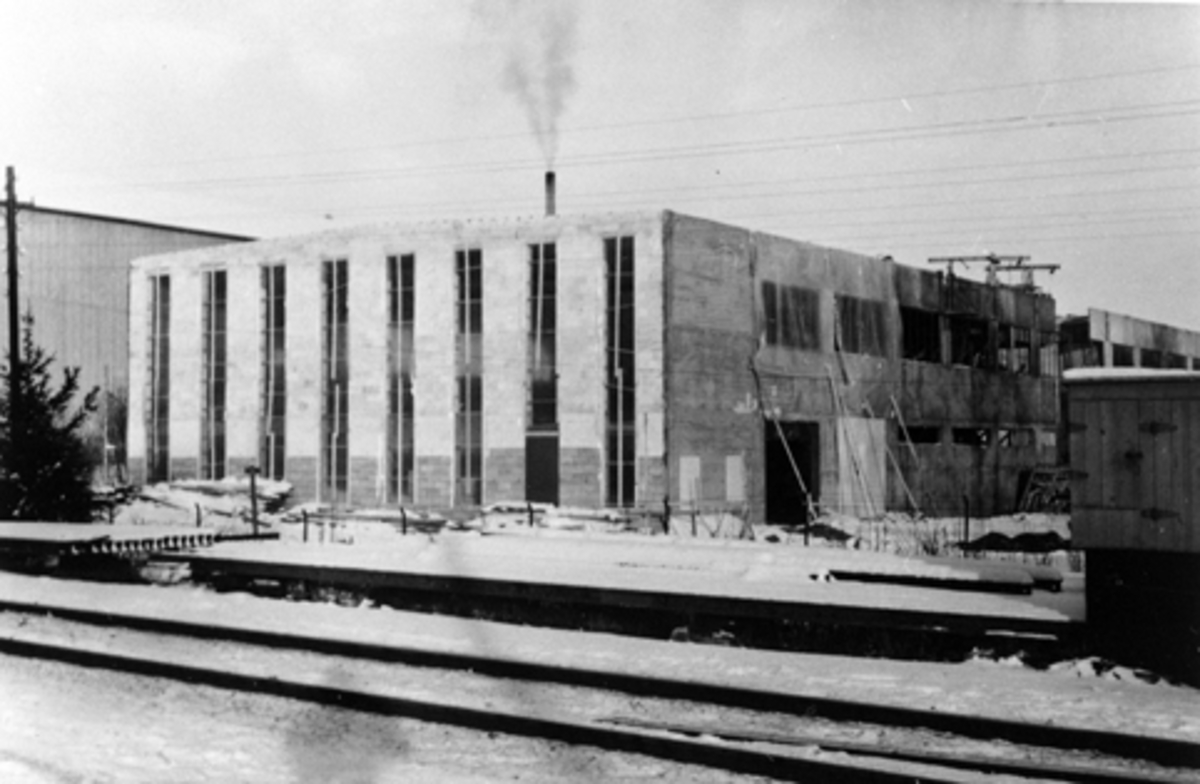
74	280
647	360
1104	339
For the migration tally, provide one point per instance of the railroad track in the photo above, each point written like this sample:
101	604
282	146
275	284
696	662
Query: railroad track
747	731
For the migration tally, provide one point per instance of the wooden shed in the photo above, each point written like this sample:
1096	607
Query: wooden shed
1135	459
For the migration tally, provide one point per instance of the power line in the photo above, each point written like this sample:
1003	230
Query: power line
691	118
1013	123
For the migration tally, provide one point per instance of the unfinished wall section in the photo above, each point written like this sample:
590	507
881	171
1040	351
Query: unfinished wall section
979	416
714	430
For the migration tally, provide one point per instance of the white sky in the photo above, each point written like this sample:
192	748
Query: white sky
1066	132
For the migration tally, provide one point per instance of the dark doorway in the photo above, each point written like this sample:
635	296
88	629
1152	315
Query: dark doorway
541	467
786	501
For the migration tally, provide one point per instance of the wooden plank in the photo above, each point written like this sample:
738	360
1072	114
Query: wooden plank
1190	471
1125	455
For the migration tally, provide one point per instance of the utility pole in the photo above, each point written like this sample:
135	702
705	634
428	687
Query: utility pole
14	306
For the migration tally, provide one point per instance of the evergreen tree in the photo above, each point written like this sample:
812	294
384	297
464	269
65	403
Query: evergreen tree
45	467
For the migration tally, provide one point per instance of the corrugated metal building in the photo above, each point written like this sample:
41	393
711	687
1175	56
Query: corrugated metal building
75	281
633	360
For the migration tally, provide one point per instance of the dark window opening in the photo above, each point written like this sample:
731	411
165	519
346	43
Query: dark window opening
862	326
335	381
1153	358
790	316
1082	355
158	416
921	335
969	343
1122	356
1013	349
542	348
468	425
213	357
272	447
1175	361
971	436
401	298
923	434
620	372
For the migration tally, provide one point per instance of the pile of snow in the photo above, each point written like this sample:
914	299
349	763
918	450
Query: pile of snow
224	504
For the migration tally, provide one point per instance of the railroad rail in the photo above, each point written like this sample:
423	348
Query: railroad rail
781	736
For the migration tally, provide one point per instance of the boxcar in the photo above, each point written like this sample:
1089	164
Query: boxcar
1135	510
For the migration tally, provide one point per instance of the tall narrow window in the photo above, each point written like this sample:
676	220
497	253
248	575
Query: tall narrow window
468	429
541	414
401	295
335	379
158	412
272	444
620	376
212	434
543	383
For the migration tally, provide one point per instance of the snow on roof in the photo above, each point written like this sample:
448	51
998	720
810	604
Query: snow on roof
1129	374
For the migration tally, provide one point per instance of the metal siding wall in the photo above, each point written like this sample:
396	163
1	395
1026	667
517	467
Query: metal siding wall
75	280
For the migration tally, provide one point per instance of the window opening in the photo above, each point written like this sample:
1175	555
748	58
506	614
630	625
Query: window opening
335	381
1013	347
159	414
401	299
1015	438
921	335
213	350
1122	356
542	361
621	379
469	374
971	436
790	316
1048	362
1153	358
862	326
969	343
272	446
924	434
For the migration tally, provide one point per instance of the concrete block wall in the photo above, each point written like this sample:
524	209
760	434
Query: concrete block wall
580	355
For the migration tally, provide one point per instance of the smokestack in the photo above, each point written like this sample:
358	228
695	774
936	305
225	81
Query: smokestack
549	193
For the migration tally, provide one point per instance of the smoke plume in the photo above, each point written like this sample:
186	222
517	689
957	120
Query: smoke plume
538	41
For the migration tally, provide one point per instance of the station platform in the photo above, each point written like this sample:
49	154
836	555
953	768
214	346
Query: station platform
714	579
74	539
